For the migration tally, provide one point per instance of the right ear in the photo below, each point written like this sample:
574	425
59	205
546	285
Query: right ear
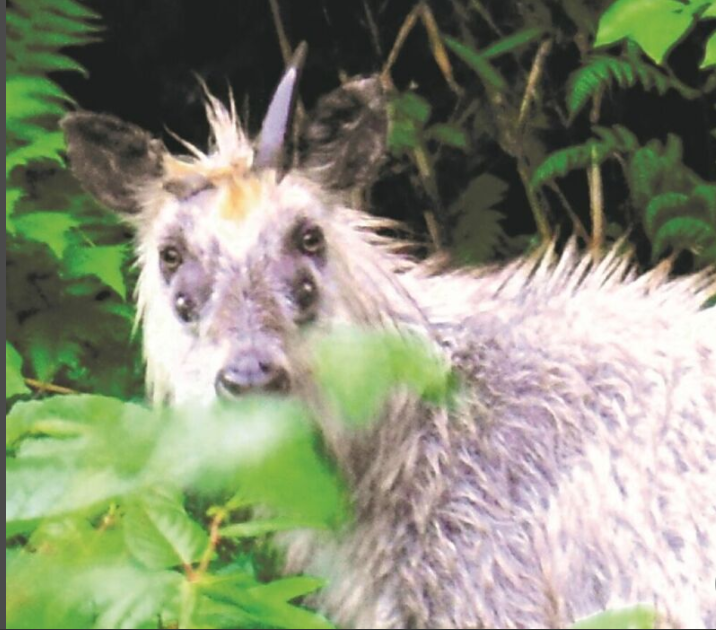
112	158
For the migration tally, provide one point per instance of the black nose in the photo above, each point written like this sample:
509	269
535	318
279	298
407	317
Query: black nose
251	373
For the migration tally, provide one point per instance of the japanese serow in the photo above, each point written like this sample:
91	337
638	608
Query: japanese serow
575	472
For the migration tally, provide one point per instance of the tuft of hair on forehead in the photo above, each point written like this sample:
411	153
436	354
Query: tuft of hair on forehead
229	149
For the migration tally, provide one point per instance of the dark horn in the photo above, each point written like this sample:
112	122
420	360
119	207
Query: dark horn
272	141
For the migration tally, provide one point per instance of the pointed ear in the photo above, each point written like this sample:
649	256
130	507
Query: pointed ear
345	138
111	158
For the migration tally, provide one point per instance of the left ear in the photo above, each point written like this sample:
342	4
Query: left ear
112	158
344	141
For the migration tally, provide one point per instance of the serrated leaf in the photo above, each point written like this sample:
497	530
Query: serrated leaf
14	381
105	262
682	233
710	53
42	61
160	534
287	589
478	63
51	228
662	208
656	25
637	617
26	97
46	147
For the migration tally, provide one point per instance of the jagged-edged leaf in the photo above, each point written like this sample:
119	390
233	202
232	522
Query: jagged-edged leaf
52	62
477	61
634	618
51	228
683	233
601	71
478	233
14	381
611	141
663	207
656	25
46	147
160	534
105	262
27	96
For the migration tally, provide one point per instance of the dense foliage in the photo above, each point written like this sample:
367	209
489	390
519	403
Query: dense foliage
118	516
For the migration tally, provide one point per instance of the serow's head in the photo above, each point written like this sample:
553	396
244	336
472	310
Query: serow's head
240	254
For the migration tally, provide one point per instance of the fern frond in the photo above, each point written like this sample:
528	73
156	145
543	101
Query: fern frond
602	71
610	141
684	233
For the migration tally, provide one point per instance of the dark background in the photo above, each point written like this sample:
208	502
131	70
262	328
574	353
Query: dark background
144	68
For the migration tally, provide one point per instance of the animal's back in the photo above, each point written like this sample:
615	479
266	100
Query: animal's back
575	475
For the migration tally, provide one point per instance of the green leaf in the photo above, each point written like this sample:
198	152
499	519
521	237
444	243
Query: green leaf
12	196
14	381
358	369
105	262
710	53
49	146
160	534
412	106
511	42
53	62
478	63
451	135
656	25
682	233
478	233
287	589
51	228
27	97
636	617
252	529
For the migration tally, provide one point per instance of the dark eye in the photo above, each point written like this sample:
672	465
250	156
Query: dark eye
170	258
306	293
311	240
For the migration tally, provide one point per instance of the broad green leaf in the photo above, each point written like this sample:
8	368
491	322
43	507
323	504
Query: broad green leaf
105	262
14	381
476	60
51	228
656	25
636	618
710	11
37	488
287	589
412	106
511	42
710	53
451	135
160	534
358	369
